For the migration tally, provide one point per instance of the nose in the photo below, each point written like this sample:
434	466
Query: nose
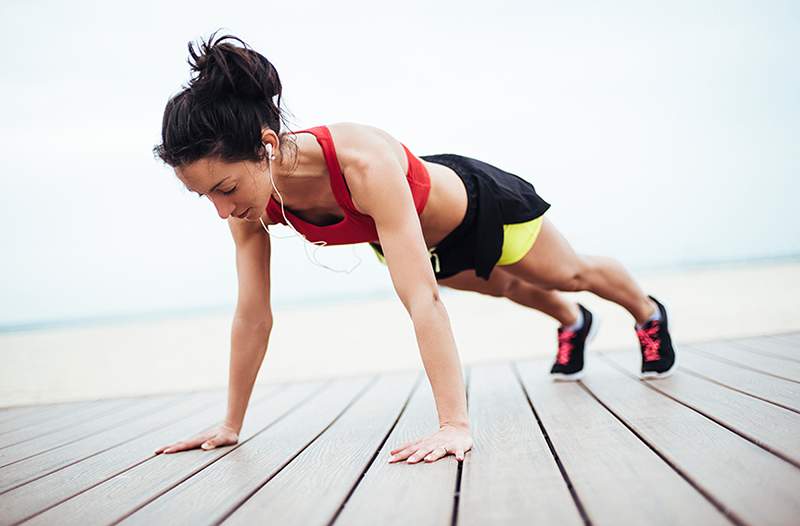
224	207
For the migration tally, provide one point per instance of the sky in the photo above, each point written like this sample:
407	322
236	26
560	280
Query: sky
663	134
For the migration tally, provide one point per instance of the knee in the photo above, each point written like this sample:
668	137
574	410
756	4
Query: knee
509	288
501	287
578	277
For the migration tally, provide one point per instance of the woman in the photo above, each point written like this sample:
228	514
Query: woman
446	218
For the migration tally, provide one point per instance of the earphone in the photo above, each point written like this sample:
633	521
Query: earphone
318	244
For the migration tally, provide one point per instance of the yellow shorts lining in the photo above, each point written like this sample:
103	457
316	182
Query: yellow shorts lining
378	254
518	239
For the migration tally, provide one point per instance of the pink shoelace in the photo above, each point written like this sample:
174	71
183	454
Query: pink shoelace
564	346
649	344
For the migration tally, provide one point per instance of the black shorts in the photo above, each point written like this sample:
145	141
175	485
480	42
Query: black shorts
494	198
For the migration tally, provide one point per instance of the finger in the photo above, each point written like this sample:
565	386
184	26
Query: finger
459	454
170	448
403	454
421	452
404	446
211	443
183	446
436	454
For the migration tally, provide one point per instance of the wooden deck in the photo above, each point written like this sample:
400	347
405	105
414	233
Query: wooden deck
717	443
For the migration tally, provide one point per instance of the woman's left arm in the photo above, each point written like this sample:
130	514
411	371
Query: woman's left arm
379	186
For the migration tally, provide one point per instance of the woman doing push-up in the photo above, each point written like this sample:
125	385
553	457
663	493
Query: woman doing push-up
434	220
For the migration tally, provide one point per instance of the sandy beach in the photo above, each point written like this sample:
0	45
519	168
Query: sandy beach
350	338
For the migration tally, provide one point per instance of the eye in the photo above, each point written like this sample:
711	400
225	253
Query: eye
230	191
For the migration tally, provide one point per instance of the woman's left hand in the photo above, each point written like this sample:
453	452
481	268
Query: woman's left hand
449	439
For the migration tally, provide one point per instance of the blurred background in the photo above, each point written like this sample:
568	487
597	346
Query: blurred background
664	135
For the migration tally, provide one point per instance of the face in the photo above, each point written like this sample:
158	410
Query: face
240	189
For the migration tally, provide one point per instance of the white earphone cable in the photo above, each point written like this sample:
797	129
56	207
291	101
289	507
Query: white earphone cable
318	244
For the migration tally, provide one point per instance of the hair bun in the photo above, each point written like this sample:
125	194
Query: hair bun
225	108
222	69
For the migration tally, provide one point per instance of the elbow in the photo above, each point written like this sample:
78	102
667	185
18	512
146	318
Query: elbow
255	333
260	324
423	302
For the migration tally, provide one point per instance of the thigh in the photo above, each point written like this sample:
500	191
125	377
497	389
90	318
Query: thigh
498	284
550	263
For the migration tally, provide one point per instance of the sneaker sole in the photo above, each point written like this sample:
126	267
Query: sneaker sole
656	375
564	377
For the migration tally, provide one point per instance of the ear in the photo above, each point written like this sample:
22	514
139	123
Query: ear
270	138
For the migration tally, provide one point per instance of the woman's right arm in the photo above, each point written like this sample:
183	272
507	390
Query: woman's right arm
252	321
250	331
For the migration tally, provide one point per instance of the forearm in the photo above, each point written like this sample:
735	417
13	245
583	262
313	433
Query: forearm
249	343
441	361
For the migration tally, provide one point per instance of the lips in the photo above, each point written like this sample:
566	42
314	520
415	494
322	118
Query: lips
240	216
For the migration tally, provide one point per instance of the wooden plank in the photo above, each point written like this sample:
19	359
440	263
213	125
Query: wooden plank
611	470
791	337
7	413
19	413
41	414
751	484
62	437
117	497
430	487
36	496
330	467
40	465
772	427
510	476
780	392
63	418
216	491
775	347
775	352
740	354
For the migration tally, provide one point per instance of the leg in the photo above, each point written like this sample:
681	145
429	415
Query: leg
552	264
568	364
502	284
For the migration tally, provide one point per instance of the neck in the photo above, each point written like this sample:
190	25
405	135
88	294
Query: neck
277	166
288	171
300	166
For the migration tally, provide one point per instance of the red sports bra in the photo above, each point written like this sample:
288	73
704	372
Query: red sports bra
355	227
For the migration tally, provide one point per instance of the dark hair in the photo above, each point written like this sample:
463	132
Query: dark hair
225	106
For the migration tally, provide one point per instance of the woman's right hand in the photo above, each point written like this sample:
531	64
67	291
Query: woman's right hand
219	435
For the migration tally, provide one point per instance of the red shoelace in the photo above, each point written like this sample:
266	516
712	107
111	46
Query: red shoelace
649	344
564	346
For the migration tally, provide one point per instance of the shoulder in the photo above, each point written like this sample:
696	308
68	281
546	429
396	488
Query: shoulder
357	144
366	154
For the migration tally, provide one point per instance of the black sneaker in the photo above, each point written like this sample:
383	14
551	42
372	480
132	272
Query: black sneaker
571	344
658	353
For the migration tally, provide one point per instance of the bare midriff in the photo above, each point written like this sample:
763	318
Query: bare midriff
446	206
